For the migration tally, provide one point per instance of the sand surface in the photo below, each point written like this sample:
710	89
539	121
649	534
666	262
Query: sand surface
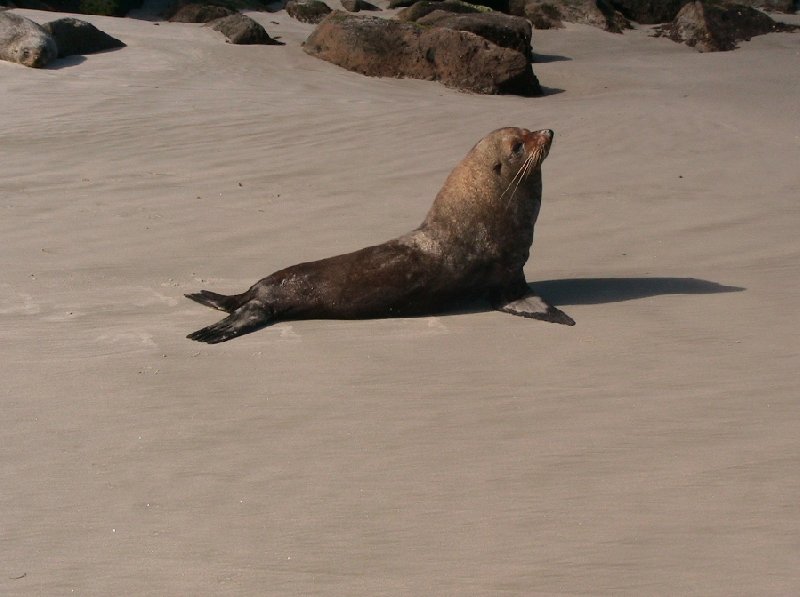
652	449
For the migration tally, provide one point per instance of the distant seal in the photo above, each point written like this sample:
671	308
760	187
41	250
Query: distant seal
25	42
474	242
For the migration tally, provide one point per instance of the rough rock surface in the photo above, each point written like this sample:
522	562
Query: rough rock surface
550	14
786	6
717	26
358	5
423	7
74	36
242	30
649	11
503	30
389	48
200	13
308	11
499	5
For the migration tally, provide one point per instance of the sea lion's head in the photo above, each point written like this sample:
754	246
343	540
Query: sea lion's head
37	54
496	189
33	48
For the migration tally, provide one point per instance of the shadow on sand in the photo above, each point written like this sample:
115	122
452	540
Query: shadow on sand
594	291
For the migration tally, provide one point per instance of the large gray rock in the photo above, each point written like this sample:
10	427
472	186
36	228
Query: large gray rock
503	30
379	47
550	14
242	30
74	36
716	26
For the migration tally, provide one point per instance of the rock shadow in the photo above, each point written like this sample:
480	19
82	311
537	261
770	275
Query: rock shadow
550	91
595	291
66	62
545	58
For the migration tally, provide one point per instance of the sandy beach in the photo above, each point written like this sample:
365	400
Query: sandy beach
652	449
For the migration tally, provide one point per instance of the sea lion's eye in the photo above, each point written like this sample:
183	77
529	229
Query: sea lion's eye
517	147
497	167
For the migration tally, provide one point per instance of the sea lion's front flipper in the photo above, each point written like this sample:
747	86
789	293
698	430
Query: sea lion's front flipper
534	307
248	318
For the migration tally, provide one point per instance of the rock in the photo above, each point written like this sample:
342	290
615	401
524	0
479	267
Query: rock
717	26
74	36
499	5
785	6
542	15
111	8
358	5
242	30
424	7
200	13
649	11
307	11
503	30
550	14
379	47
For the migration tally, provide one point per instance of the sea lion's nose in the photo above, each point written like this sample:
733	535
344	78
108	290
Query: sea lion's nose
548	133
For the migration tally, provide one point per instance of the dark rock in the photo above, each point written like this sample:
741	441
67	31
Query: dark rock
503	30
550	14
424	7
649	11
111	8
242	30
499	5
200	13
358	5
542	15
785	6
74	36
379	47
402	3
307	11
717	26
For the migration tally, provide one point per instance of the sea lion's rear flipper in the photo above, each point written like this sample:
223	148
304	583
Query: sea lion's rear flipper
223	302
247	318
534	307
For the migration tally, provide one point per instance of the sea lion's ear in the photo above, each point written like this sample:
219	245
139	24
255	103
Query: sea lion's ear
497	167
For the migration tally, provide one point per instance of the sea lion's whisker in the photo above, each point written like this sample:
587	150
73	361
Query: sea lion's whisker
520	175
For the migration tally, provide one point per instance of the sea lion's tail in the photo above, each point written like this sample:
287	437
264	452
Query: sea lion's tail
223	302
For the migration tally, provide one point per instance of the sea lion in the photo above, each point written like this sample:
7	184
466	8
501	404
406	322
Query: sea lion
25	42
474	242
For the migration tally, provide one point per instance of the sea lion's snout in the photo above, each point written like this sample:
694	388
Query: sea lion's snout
542	138
538	142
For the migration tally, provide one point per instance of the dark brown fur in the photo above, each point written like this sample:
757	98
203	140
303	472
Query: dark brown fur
474	241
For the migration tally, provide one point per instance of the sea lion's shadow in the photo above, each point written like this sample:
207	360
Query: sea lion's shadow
595	291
